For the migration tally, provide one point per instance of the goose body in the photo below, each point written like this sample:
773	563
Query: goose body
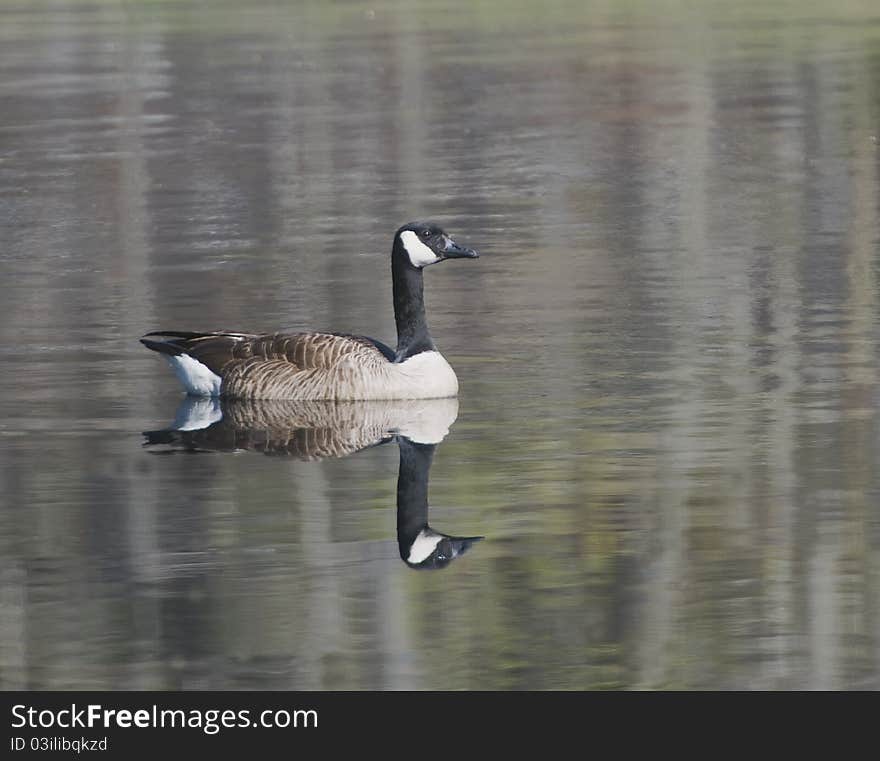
328	366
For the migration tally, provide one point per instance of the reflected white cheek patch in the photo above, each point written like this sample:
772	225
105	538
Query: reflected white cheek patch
425	543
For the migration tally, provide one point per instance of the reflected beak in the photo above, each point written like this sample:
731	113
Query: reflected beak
461	544
453	251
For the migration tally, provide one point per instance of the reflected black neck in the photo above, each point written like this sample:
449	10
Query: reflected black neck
409	306
412	492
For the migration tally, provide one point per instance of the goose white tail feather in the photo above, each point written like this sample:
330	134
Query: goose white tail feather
196	377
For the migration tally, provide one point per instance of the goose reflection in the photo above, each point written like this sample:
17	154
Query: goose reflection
317	430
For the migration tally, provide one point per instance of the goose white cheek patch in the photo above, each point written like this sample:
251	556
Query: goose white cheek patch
419	254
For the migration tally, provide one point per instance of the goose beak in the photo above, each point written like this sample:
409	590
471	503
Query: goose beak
453	251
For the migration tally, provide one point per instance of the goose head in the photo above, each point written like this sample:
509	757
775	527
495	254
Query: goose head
423	243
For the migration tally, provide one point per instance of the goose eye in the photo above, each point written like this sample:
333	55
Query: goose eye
426	233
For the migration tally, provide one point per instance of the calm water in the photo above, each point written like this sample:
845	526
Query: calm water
668	425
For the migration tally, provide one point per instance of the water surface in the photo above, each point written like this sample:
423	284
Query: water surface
667	429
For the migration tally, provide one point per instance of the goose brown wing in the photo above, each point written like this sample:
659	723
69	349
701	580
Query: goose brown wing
251	365
306	351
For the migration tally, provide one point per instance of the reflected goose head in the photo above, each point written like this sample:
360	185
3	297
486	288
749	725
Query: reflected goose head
420	546
420	244
432	550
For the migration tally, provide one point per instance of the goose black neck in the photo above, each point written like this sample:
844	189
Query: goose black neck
412	492
409	307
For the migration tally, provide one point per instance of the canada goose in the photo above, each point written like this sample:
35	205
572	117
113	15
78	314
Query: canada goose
313	430
328	365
